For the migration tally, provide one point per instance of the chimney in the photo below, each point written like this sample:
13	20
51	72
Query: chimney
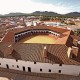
75	42
32	24
10	48
45	52
75	51
69	52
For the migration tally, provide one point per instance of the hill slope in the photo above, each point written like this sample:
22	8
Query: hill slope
46	13
73	14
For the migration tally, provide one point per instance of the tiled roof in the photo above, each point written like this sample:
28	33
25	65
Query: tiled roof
14	55
9	37
64	33
5	49
57	53
60	30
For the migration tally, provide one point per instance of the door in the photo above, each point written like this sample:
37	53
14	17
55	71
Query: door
29	69
23	68
7	66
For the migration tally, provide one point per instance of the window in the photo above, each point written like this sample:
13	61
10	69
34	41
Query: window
40	69
17	66
60	64
29	69
12	65
7	66
16	60
23	68
34	62
59	71
49	70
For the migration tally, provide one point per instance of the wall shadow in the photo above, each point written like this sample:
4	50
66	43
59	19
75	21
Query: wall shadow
1	54
54	58
15	55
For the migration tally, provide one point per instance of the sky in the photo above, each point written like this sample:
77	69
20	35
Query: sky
29	6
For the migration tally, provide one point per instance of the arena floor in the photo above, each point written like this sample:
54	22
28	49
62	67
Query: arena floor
44	39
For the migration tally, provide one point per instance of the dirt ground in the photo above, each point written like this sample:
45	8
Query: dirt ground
39	39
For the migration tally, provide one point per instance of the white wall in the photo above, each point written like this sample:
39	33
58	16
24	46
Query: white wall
65	69
52	23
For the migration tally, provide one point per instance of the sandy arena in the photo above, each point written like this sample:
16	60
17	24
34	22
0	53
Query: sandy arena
39	39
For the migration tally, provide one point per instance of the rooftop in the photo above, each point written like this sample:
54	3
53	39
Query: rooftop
57	52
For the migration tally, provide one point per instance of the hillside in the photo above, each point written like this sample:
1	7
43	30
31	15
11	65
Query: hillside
46	13
15	14
73	14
